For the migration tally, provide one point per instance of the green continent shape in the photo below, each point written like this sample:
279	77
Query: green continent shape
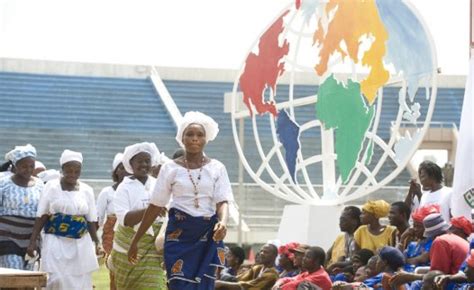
343	109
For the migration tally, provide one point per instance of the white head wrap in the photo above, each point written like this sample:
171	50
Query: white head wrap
39	164
193	117
69	155
160	159
132	150
117	160
21	152
48	175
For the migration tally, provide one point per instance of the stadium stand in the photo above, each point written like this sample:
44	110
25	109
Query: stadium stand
99	116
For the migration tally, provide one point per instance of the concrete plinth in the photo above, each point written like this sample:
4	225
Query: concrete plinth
310	224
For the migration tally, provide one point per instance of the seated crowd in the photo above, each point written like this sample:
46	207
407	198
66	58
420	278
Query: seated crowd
421	247
431	254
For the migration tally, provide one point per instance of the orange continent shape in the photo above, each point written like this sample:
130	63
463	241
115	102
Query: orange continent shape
353	20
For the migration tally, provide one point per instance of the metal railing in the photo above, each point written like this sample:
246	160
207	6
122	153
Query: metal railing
262	211
165	96
442	125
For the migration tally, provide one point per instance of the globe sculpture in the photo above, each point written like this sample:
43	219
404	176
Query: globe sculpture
370	88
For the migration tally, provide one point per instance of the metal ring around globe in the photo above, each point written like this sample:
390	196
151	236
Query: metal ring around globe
283	186
247	167
286	195
244	161
381	144
270	171
301	164
298	102
305	126
304	163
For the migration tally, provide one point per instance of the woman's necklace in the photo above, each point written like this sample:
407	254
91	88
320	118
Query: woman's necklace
195	183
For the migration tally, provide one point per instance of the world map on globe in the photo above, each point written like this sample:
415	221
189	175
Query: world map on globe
354	51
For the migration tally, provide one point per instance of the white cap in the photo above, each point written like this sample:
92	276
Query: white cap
48	175
117	160
21	152
69	155
132	150
193	117
39	164
160	159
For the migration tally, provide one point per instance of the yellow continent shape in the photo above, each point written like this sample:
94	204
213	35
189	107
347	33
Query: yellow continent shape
352	20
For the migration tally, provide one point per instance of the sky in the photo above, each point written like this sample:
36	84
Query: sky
181	33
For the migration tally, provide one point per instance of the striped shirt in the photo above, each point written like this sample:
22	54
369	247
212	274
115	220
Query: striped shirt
18	200
15	234
18	207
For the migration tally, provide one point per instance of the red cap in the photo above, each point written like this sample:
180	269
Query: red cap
461	222
419	214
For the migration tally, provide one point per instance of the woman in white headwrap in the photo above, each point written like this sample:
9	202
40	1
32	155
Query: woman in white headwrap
130	201
19	196
106	211
68	213
199	190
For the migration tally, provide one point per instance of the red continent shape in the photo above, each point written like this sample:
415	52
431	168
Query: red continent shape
262	70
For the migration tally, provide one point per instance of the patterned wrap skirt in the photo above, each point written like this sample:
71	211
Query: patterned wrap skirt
147	273
192	257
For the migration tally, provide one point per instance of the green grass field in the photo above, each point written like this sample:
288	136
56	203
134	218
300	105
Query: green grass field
101	278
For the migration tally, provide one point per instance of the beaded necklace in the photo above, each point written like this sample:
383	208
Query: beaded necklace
195	183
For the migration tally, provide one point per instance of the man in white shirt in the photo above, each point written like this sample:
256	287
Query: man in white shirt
431	189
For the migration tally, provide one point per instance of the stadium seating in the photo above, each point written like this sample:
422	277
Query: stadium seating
99	116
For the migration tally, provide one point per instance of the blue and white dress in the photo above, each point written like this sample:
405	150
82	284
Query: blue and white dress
18	207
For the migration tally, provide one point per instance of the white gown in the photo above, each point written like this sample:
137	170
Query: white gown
68	262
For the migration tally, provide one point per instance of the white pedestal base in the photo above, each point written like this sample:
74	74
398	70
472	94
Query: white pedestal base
310	224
